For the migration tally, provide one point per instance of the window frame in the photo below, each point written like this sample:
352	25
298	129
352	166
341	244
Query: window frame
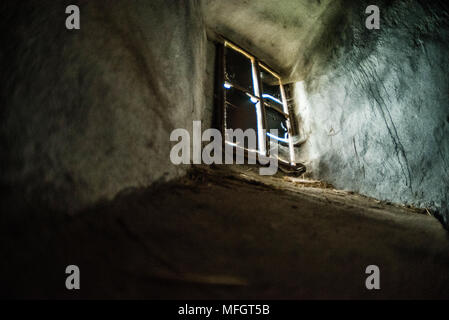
257	65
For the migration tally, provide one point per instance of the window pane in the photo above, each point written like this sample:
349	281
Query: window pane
238	69
276	120
240	112
271	89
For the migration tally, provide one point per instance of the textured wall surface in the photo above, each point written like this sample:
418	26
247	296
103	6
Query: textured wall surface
89	113
378	117
293	36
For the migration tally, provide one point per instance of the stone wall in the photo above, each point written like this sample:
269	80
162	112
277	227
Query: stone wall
88	113
377	117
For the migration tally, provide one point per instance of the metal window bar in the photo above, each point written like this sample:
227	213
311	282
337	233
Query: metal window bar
260	105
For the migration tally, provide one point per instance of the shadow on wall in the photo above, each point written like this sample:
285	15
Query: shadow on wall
88	113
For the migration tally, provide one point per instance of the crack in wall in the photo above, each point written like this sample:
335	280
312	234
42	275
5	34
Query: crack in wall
366	76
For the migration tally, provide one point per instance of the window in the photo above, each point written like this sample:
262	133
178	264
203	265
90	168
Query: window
254	98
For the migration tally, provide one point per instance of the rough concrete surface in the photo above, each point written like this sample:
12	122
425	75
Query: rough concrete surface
85	123
374	103
378	119
88	113
228	233
293	36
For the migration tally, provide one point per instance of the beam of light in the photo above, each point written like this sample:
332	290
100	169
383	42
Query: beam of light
283	127
286	140
267	96
240	147
260	135
252	98
227	85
